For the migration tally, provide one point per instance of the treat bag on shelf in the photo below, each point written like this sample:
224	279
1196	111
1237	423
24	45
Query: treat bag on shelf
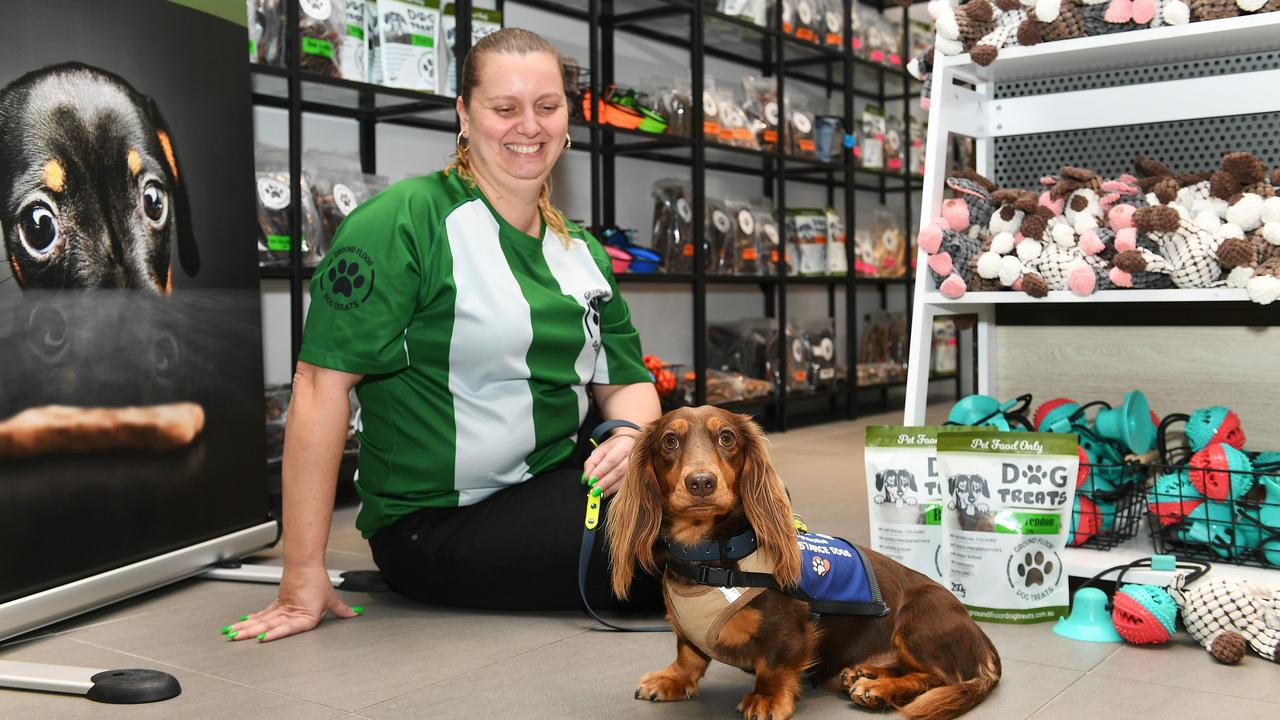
408	35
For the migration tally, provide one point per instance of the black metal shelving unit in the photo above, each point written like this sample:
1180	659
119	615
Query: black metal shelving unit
680	23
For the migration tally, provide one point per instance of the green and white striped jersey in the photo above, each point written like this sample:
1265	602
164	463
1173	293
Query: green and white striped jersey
476	340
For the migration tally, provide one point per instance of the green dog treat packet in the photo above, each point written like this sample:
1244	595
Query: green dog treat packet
904	495
1006	520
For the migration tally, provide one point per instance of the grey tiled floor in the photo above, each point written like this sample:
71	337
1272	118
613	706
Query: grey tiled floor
404	660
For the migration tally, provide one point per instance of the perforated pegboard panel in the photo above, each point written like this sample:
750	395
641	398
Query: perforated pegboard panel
1132	76
1185	146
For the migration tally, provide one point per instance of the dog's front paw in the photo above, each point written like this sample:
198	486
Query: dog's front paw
663	686
865	691
756	706
853	674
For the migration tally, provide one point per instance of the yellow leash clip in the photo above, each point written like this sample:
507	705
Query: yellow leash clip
593	511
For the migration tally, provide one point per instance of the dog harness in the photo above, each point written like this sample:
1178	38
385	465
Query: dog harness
835	578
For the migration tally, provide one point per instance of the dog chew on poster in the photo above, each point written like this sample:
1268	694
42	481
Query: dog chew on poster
905	496
1009	497
131	407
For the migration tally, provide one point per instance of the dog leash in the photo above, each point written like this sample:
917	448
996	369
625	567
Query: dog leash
590	523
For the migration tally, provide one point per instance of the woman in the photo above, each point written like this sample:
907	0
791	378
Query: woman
471	318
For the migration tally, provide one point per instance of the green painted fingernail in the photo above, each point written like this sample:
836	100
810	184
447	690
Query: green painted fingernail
262	636
593	480
232	635
595	491
357	609
584	477
225	630
243	618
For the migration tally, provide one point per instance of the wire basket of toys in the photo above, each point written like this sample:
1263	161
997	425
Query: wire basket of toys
1109	504
1214	500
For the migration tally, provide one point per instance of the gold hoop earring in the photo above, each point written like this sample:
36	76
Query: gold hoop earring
458	141
568	141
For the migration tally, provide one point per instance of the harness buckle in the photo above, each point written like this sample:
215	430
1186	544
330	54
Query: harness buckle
714	576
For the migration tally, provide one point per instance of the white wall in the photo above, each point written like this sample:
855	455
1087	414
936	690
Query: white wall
661	313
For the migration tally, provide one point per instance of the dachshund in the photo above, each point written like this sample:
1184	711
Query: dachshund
894	484
93	196
972	513
700	475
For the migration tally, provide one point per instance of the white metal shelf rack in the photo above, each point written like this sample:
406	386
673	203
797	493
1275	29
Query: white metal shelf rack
1137	83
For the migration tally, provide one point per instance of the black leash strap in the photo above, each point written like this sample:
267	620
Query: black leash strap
591	522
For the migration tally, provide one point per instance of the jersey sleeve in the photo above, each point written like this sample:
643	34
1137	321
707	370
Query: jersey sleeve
619	361
365	290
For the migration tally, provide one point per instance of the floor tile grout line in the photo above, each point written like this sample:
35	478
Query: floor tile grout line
212	676
476	669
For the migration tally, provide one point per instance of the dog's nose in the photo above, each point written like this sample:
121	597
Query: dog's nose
700	484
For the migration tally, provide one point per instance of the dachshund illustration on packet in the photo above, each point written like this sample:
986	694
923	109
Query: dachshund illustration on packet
93	193
967	494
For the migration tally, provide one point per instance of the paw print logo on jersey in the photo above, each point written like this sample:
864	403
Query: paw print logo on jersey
348	281
820	566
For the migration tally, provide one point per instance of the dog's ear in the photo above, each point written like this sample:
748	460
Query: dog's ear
635	516
983	484
879	481
764	499
188	252
951	485
910	480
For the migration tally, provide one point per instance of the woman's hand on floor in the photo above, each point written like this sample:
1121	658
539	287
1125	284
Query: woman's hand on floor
609	463
306	594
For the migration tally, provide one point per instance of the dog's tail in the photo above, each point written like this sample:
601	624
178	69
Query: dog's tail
949	701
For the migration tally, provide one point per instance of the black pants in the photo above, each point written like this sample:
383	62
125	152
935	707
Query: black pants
517	550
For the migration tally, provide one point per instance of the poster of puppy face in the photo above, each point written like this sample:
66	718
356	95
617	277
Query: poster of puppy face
131	384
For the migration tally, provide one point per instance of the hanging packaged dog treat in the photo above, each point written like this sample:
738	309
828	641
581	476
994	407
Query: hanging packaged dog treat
894	143
837	257
821	337
266	31
718	234
807	20
734	126
273	192
322	25
673	225
871	140
405	54
769	239
337	188
484	22
1009	497
857	30
906	496
832	25
743	255
800	140
753	11
761	109
807	230
355	43
676	108
710	110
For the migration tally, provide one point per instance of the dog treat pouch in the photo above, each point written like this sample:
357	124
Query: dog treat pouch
483	22
322	25
337	188
273	193
355	44
1006	521
807	229
905	494
405	53
673	225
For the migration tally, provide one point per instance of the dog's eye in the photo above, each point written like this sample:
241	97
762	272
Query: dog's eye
38	226
670	441
726	439
154	203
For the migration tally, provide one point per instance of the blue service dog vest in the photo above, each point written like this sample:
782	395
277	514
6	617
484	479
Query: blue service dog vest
835	578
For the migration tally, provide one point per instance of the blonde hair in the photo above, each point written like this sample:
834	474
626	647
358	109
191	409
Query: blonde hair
507	41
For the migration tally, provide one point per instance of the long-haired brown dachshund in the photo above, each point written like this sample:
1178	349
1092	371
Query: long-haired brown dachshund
699	478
